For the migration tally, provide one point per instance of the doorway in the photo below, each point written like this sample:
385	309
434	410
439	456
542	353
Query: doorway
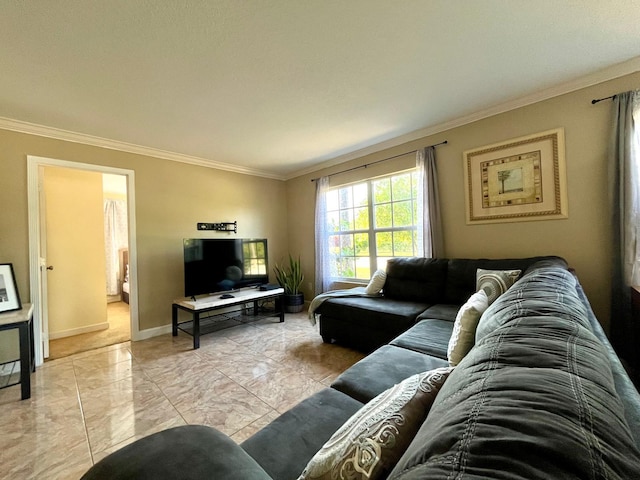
43	282
86	242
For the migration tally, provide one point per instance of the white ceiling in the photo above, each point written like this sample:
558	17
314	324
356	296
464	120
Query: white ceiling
277	87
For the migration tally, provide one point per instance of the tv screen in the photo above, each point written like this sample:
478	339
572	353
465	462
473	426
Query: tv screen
219	265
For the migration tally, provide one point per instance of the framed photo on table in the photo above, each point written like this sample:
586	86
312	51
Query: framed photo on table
9	297
522	179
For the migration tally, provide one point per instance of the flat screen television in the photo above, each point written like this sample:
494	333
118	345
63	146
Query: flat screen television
219	265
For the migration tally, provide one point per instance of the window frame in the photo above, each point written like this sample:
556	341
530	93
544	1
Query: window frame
374	259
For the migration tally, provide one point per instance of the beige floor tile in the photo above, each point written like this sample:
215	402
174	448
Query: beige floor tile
92	403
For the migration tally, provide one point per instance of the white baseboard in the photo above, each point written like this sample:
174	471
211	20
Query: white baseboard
150	332
77	331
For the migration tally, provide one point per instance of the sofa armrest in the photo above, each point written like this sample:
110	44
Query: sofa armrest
186	452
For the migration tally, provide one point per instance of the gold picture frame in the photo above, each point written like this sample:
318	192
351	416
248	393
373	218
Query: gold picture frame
522	179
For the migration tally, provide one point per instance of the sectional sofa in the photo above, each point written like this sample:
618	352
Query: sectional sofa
541	394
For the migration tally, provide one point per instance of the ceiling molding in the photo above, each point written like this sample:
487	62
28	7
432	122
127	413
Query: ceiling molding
69	136
619	70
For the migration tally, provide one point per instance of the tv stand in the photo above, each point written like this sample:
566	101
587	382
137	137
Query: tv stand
234	314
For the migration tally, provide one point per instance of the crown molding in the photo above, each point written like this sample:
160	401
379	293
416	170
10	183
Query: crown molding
75	137
618	70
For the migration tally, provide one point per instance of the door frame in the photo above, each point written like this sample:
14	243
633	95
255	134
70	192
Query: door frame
34	164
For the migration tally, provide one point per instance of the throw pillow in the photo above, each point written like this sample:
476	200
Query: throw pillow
372	441
495	282
376	283
464	328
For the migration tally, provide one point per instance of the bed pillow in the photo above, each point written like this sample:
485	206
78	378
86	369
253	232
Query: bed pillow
372	441
376	283
464	328
495	282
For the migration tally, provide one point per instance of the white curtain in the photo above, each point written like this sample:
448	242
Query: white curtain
430	238
624	178
323	268
116	238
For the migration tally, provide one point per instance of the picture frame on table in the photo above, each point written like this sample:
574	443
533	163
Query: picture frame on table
522	179
9	296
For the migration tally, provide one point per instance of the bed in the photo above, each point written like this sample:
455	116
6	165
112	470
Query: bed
124	274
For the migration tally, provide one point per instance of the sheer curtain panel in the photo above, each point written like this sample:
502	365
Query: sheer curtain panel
323	269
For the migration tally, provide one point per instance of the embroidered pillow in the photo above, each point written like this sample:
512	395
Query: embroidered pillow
376	283
495	282
464	328
372	441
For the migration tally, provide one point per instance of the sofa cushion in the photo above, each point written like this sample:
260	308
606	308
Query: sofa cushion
186	452
416	279
370	443
311	423
429	336
545	291
464	328
461	273
441	311
561	417
382	369
373	312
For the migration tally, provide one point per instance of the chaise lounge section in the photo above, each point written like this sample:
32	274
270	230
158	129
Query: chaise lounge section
541	394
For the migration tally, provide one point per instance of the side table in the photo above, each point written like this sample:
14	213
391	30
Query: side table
23	321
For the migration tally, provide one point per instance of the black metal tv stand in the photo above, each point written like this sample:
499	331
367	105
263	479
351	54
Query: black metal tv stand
199	325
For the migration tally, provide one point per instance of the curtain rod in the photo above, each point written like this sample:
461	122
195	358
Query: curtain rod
596	100
379	161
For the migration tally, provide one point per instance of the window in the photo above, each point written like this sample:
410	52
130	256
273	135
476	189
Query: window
370	222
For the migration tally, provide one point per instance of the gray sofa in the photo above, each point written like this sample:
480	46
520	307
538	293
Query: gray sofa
416	289
541	395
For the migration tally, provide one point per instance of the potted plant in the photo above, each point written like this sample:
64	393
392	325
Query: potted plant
290	278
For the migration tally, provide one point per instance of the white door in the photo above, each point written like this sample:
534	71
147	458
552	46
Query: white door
75	252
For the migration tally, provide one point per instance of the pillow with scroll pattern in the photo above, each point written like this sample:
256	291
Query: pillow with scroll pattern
372	441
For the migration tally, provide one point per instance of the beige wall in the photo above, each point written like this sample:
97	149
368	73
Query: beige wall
583	239
75	247
171	198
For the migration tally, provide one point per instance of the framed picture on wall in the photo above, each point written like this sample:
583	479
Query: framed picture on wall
9	297
518	180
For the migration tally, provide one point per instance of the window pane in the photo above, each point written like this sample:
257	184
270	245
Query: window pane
346	220
384	244
346	245
333	221
382	263
363	268
332	200
402	214
401	187
414	185
382	216
360	195
415	212
362	244
361	220
346	200
346	267
402	244
382	191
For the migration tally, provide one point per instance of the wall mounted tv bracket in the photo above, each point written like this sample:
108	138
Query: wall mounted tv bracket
220	227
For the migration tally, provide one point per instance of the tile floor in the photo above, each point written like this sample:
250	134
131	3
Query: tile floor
90	404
